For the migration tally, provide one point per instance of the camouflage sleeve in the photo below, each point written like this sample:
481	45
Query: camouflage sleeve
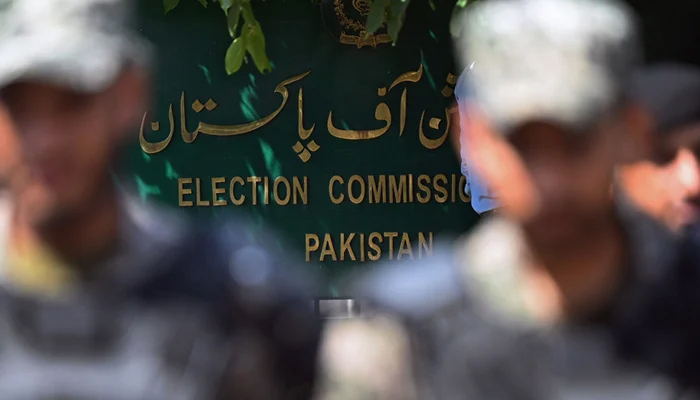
366	359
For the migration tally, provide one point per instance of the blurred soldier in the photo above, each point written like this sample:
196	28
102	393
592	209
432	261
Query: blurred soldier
102	296
668	185
569	292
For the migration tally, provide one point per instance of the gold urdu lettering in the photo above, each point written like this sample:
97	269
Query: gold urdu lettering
381	113
182	191
435	124
232	190
341	197
377	189
153	148
373	245
424	190
405	247
231	130
391	236
254	180
216	191
301	191
303	133
351	194
287	191
425	245
312	244
442	195
198	190
397	191
462	193
346	247
328	249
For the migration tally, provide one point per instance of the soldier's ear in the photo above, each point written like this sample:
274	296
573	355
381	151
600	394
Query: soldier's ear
638	143
133	98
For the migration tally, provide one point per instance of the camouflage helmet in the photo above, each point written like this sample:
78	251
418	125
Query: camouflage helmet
79	44
561	61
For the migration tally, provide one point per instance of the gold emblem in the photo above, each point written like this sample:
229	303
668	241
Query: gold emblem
354	31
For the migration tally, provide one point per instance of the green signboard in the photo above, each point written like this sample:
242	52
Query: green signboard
343	147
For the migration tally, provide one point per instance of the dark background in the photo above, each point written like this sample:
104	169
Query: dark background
670	29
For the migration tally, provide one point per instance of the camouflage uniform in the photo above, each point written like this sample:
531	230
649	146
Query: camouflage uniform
178	310
461	317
